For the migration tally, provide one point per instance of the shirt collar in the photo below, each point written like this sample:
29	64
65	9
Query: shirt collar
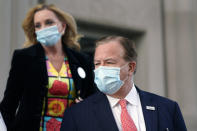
132	98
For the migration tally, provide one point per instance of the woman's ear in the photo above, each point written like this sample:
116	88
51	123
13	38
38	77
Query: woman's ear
64	28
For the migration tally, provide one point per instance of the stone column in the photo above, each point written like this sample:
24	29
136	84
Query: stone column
181	46
12	13
5	33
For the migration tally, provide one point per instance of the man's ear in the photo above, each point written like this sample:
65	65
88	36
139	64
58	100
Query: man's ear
132	67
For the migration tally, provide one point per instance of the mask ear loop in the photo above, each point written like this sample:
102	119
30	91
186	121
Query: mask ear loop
124	66
63	31
127	75
132	78
58	28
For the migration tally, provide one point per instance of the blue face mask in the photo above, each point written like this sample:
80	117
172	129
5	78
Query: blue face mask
107	79
48	36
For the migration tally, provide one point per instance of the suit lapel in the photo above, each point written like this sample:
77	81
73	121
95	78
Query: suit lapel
150	111
38	63
41	64
103	113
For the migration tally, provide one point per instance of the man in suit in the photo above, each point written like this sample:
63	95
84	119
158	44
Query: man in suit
120	105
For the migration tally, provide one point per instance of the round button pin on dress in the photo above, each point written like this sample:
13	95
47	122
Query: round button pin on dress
81	72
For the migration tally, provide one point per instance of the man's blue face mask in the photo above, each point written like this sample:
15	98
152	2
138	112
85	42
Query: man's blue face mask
107	79
48	36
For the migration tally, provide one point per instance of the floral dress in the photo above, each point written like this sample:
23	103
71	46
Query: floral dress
61	95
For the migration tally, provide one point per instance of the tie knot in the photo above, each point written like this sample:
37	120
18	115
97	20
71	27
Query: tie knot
123	103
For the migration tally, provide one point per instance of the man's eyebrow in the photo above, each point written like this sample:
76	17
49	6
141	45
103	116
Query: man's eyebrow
106	59
110	59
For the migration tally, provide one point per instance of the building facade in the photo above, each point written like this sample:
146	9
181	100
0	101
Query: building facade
164	31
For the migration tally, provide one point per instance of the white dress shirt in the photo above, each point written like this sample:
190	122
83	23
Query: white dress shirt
134	109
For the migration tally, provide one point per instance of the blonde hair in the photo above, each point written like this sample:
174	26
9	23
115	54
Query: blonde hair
70	37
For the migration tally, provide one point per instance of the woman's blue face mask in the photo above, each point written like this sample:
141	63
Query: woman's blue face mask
48	36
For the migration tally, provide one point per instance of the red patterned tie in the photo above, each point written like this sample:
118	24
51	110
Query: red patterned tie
126	120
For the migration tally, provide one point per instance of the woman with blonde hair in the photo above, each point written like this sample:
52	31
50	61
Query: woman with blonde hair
48	75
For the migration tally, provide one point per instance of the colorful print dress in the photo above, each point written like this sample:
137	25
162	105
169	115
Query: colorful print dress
61	95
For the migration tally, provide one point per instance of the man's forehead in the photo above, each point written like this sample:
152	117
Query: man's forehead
110	48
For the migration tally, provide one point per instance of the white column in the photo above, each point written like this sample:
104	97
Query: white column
5	33
181	43
12	13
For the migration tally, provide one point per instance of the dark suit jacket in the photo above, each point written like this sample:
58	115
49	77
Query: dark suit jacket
26	86
94	114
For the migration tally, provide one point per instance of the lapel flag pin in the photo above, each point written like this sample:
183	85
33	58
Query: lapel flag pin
150	108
